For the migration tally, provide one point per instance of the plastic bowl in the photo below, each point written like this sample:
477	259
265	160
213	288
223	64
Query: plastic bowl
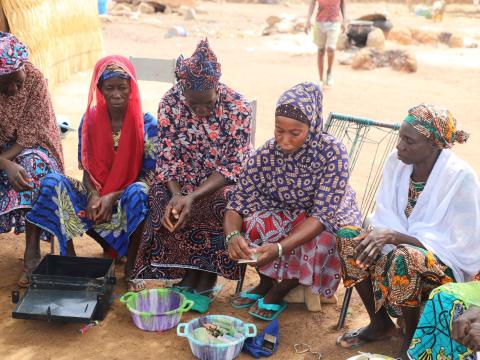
156	309
215	351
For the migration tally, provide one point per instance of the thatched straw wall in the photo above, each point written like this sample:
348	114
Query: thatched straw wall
64	36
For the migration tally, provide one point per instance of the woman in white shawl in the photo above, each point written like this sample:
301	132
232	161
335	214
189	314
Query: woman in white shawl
425	229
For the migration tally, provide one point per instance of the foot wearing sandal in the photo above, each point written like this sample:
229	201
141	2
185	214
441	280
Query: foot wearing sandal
273	304
249	297
136	285
373	332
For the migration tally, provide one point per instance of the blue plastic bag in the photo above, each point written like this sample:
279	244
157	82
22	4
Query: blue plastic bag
253	346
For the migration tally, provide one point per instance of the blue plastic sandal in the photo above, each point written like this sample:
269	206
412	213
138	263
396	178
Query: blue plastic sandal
247	295
276	308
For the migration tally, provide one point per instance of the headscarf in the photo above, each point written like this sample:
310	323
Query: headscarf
108	170
13	54
304	99
313	179
437	124
113	71
199	72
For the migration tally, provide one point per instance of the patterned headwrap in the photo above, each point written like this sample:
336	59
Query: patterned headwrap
112	71
303	102
199	72
13	54
436	124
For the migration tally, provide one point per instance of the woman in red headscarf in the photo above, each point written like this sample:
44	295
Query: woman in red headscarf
117	155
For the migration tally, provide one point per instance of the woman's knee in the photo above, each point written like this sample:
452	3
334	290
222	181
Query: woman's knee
53	180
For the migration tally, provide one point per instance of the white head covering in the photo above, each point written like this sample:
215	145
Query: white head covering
446	217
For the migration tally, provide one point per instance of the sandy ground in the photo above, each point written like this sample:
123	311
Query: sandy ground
261	68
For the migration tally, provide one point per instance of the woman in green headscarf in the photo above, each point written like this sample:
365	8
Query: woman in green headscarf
425	228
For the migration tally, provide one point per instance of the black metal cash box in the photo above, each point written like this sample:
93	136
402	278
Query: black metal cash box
68	289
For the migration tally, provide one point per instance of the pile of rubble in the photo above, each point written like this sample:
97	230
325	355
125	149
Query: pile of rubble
127	7
409	36
284	24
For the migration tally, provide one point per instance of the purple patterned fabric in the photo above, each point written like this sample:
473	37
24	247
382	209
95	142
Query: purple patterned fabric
314	179
13	54
199	72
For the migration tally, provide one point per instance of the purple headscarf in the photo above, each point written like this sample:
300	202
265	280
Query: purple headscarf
307	98
199	72
13	54
313	179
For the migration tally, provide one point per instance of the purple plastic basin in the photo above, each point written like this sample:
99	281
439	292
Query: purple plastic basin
156	309
215	351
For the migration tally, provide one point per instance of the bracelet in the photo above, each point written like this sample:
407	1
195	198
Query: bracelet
280	250
177	193
230	236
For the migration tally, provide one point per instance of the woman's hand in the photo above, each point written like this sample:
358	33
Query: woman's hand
266	254
370	245
238	248
466	328
91	211
177	212
18	177
104	209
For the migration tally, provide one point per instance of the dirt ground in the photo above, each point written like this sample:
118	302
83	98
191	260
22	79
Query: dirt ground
261	68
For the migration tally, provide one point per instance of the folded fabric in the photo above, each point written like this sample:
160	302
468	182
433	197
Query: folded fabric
253	346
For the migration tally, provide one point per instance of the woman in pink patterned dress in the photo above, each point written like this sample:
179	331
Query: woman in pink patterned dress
30	145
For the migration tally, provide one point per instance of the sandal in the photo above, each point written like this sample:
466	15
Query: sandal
276	308
356	338
136	285
210	293
246	295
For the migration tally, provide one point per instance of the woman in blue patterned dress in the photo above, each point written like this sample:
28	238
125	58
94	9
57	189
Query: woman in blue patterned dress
116	152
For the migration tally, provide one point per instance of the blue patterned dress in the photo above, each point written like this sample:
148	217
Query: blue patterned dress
60	208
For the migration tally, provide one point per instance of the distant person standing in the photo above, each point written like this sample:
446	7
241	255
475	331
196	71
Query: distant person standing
329	22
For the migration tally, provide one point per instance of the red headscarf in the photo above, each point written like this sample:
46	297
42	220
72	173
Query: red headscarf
110	171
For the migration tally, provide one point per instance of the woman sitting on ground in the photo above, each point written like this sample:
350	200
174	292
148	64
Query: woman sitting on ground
452	313
30	145
204	130
291	198
116	152
425	229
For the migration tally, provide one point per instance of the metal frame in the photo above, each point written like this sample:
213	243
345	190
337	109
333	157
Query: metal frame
355	133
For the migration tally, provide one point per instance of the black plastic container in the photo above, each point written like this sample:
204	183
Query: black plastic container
68	289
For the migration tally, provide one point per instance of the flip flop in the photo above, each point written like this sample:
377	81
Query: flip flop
247	295
354	338
180	289
276	308
210	293
136	285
